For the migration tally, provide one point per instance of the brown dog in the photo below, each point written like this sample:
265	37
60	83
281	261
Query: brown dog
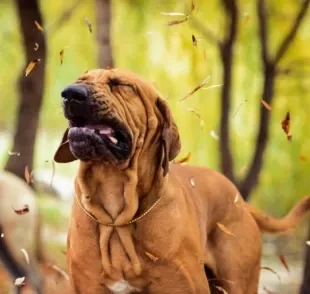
136	225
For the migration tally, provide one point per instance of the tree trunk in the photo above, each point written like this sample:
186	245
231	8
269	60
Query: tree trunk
103	19
305	287
31	88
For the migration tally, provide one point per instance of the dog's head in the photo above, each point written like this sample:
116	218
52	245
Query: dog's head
111	113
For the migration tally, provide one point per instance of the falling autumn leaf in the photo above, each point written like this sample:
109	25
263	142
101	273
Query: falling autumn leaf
27	174
193	6
20	281
270	270
205	81
39	27
194	40
192	181
151	256
175	22
184	159
285	123
214	135
36	46
212	87
221	289
197	115
62	272
23	210
173	13
266	105
31	66
89	24
61	54
284	263
11	153
25	254
225	230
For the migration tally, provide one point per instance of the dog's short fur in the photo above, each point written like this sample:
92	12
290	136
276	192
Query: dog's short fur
124	135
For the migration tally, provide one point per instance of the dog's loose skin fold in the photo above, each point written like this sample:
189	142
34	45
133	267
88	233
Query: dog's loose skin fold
166	251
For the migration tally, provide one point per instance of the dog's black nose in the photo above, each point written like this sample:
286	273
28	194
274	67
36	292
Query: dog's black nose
76	92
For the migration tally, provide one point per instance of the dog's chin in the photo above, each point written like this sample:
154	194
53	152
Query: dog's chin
98	143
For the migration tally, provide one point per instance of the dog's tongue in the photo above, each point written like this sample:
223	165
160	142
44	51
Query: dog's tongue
104	130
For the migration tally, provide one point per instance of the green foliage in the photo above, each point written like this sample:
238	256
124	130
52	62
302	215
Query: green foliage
142	42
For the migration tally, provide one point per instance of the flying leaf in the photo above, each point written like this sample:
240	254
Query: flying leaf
31	66
221	289
192	181
25	254
183	160
11	153
284	263
173	13
236	198
206	80
266	105
175	22
23	210
225	230
89	24
271	270
214	135
308	243
193	6
197	115
151	256
36	46
20	281
61	54
27	174
213	86
285	123
62	272
194	40
39	27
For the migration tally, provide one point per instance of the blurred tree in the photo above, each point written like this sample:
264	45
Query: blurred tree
103	20
31	87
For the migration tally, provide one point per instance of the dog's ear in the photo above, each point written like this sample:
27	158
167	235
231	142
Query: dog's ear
63	153
170	135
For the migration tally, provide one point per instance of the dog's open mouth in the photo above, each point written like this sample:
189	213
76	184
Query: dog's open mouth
107	140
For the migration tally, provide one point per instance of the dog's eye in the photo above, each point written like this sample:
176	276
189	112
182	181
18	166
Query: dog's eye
119	84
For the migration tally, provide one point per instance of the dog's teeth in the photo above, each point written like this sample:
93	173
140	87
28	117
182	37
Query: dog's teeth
112	139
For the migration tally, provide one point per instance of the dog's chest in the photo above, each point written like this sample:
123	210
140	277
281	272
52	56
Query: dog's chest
122	287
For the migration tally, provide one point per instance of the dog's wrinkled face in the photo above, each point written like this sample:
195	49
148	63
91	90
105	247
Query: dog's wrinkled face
96	127
109	112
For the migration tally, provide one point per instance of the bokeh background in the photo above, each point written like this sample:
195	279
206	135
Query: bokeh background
142	41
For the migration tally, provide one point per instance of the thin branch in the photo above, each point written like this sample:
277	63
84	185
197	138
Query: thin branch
263	22
63	18
292	33
227	53
206	32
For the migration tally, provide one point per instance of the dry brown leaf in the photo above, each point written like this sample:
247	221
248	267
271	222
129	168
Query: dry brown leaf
21	211
89	24
285	123
270	270
11	153
39	27
192	181
25	254
268	291
36	46
62	272
193	6
225	230
221	289
19	282
176	22
31	66
284	263
27	175
266	105
61	54
236	198
201	121
151	256
183	160
205	81
194	40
